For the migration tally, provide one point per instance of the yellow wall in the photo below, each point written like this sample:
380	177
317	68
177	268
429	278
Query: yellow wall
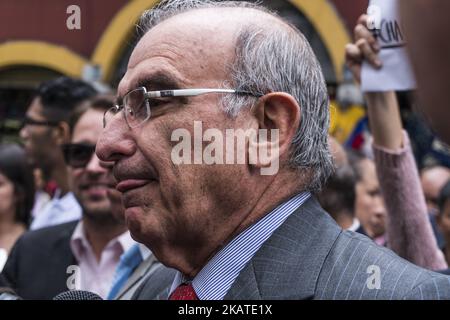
38	53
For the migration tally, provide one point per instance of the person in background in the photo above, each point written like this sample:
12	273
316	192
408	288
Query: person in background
370	209
100	237
45	129
42	197
408	230
433	180
80	254
338	195
16	195
429	49
443	218
338	198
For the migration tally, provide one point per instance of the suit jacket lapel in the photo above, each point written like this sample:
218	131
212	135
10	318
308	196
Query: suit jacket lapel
245	286
288	264
141	271
61	258
64	256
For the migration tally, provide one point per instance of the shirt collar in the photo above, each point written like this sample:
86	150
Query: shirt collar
355	225
145	252
218	275
66	202
79	242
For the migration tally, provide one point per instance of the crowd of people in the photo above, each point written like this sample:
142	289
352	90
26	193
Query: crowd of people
92	201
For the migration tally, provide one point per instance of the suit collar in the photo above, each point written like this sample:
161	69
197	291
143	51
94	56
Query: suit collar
61	245
288	264
67	230
245	286
65	234
141	271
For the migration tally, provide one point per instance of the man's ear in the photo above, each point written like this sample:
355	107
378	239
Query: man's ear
279	114
61	133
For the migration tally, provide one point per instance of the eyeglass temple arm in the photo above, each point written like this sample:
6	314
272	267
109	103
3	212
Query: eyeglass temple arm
191	92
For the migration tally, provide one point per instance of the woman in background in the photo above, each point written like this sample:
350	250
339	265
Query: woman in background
408	229
16	195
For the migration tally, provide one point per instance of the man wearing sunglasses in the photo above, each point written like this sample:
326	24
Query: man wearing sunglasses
45	128
82	254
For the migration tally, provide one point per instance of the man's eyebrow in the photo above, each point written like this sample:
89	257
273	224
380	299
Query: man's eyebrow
155	81
158	81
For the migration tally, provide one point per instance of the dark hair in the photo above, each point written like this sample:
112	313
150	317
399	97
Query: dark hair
100	103
60	96
354	159
338	195
15	166
444	195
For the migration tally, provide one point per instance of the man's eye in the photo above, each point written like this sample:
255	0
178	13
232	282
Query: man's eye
157	102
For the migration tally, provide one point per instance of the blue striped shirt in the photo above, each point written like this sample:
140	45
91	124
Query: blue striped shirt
218	275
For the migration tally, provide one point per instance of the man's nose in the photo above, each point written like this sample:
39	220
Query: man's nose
115	141
95	165
23	133
380	208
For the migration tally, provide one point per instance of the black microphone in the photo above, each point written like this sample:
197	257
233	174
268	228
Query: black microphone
8	294
77	295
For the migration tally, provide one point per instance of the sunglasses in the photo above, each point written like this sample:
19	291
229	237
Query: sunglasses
32	122
78	155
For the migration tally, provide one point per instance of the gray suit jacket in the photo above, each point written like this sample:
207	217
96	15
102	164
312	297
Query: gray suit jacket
145	269
310	257
156	286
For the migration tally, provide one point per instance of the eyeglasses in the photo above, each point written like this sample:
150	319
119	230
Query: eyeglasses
137	107
29	121
78	155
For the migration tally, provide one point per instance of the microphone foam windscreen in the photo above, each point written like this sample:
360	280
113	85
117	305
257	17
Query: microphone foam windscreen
77	295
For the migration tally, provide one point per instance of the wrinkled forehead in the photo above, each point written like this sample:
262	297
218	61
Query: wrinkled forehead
183	51
193	49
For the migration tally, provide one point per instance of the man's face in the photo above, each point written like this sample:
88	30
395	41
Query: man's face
117	210
91	183
432	181
168	204
444	221
7	194
38	141
369	206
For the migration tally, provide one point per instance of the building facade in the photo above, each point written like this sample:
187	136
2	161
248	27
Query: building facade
92	39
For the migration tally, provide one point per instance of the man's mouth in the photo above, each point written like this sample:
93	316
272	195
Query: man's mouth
130	184
96	186
96	189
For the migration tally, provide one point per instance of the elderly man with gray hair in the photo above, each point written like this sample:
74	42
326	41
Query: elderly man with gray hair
204	71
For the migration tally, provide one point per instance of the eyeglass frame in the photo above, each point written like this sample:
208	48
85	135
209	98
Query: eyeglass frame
169	93
28	121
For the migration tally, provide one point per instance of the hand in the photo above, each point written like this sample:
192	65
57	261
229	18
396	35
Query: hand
365	47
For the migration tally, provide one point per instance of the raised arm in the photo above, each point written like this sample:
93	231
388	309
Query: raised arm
409	231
